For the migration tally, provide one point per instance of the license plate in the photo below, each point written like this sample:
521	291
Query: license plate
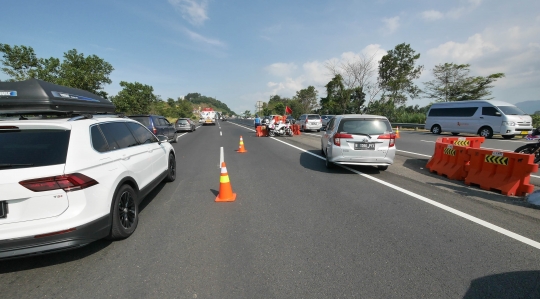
364	146
524	132
313	123
3	209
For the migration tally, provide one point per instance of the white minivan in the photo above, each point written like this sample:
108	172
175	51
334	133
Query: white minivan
481	117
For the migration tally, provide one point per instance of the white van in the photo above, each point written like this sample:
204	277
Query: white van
481	117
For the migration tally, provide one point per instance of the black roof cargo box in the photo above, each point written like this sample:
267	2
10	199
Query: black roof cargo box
35	96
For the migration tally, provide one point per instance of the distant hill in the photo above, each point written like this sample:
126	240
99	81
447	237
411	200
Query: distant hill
529	107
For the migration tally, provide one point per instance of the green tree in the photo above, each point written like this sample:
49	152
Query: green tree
337	97
307	98
185	109
279	108
452	83
247	113
89	73
136	98
397	71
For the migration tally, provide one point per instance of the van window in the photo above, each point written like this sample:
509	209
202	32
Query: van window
453	112
33	148
490	111
118	135
511	110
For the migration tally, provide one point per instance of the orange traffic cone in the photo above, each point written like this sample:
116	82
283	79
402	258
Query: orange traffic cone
241	148
225	188
397	133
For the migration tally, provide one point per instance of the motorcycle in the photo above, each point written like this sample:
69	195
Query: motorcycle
531	148
280	130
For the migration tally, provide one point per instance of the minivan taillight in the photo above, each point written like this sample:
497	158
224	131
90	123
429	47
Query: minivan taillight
390	136
154	130
339	136
68	182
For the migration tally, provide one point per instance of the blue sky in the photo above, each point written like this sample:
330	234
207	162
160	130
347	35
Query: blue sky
244	51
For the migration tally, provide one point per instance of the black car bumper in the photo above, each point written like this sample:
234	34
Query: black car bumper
82	235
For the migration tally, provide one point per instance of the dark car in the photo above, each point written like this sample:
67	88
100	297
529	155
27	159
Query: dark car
184	124
158	124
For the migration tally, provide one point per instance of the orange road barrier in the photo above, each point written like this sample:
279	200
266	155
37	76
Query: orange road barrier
473	142
295	129
449	160
225	188
259	131
506	172
397	133
241	148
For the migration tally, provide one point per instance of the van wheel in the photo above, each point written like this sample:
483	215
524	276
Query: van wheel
455	134
125	213
508	136
382	168
485	132
436	129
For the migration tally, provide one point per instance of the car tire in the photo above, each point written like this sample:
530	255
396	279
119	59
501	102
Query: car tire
485	132
124	213
171	169
382	168
318	130
455	134
328	164
302	129
175	137
436	129
508	136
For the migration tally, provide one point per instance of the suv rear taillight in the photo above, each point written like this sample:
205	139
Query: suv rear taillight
69	182
154	130
339	136
390	136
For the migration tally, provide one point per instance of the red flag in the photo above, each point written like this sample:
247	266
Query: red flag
288	110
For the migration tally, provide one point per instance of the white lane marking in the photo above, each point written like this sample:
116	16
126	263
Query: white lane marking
179	136
312	134
428	141
221	156
414	153
434	203
220	133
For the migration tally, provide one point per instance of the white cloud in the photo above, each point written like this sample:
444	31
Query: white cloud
199	38
194	11
281	69
474	47
312	73
432	15
454	13
391	24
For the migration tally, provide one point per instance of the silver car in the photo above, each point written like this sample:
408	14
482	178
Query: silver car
325	119
359	139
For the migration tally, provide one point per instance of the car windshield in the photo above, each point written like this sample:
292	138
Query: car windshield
33	148
511	110
364	126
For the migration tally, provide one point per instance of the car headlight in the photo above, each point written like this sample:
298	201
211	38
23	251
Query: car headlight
508	123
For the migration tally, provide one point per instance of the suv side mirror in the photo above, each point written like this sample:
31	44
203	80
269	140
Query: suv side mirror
162	138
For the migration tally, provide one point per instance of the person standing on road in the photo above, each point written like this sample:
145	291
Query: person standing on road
257	121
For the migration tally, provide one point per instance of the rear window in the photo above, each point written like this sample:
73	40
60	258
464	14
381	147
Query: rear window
182	121
33	148
314	117
145	120
364	126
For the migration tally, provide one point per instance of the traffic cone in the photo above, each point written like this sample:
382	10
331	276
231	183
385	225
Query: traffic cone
397	133
241	148
225	188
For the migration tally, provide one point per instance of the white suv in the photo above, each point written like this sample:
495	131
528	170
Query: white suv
309	122
67	182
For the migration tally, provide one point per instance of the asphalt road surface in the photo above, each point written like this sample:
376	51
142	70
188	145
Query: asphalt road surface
298	230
